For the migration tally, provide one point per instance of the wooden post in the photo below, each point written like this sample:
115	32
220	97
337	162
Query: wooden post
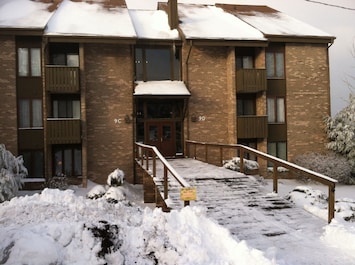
186	203
147	159
331	201
165	182
241	157
206	153
221	155
275	177
154	166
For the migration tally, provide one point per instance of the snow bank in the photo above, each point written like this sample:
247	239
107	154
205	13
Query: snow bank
58	227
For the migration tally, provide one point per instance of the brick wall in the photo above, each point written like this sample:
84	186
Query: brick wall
308	97
213	99
108	79
8	113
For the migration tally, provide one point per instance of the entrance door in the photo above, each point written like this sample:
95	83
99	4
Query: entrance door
161	135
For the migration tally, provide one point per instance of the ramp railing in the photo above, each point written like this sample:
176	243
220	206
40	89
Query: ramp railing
146	159
206	150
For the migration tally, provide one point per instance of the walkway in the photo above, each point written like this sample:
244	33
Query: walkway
240	203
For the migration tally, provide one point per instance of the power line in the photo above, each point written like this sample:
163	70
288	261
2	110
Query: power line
326	4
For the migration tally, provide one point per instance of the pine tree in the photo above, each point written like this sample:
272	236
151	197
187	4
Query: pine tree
341	132
12	170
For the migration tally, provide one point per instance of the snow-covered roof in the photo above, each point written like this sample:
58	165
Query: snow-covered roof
91	19
274	23
25	14
160	88
211	22
152	24
112	18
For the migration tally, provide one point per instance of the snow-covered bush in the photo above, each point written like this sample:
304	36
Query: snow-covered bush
96	192
115	178
114	192
12	170
234	164
331	164
57	183
341	132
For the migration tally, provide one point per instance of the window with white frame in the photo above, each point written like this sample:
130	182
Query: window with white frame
29	62
278	149
30	113
275	65
276	110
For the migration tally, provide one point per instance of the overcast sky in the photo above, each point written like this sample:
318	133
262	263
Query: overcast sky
337	21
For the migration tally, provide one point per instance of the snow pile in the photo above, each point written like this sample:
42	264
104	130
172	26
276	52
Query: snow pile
316	202
234	164
340	233
12	170
58	227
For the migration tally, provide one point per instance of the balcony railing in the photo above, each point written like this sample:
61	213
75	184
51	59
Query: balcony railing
63	131
251	80
62	79
251	127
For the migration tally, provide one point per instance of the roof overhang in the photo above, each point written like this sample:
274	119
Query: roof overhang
227	43
90	39
300	39
166	89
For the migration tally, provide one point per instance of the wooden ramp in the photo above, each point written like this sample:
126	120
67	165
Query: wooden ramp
266	221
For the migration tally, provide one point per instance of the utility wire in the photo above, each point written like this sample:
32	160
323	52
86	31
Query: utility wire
326	4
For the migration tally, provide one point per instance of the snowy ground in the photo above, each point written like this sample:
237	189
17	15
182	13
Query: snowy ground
64	227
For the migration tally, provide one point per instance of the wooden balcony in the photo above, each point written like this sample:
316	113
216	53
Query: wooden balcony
252	127
251	80
62	79
63	131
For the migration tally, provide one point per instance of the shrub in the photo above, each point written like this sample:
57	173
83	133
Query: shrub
330	164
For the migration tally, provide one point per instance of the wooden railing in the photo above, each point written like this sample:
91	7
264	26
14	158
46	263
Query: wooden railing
63	131
251	126
62	79
277	162
251	80
146	158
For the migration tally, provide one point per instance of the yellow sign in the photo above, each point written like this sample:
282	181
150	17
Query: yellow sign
188	194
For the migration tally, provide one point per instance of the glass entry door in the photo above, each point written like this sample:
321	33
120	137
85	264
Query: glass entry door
161	135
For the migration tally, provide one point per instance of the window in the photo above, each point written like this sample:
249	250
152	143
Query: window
67	161
275	64
30	113
157	64
33	161
276	110
245	62
66	108
277	149
246	106
29	62
64	54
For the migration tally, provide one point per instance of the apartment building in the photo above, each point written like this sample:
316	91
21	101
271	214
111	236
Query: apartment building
82	81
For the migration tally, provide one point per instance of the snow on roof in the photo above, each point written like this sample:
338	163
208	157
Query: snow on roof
24	14
91	19
157	88
273	22
152	24
211	22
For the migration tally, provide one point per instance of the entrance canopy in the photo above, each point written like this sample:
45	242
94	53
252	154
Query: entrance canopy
161	88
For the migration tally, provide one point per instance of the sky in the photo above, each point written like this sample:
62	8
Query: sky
338	22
